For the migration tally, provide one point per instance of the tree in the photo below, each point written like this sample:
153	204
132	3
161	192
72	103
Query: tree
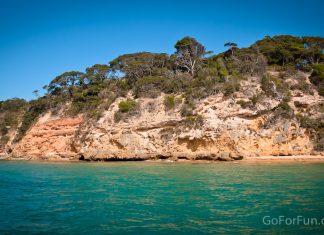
317	78
65	83
314	47
282	50
249	61
36	93
284	55
137	65
189	54
96	73
232	47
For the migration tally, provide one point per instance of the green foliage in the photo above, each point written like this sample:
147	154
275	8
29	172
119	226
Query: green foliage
273	86
276	81
231	87
36	108
118	116
95	74
169	102
127	108
65	83
83	102
255	99
3	141
12	105
137	65
244	104
196	88
127	105
232	47
321	90
266	85
246	62
284	105
193	121
316	128
10	115
317	78
150	87
187	107
189	54
302	85
213	69
221	68
313	52
96	97
296	51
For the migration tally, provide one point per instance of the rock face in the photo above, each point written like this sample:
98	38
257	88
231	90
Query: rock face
49	139
227	132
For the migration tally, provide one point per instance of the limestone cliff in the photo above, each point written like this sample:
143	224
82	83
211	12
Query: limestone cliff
228	131
225	131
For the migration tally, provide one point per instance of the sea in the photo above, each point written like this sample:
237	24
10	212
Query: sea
161	198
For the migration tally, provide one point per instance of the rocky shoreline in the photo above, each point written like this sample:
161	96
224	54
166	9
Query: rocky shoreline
224	156
199	158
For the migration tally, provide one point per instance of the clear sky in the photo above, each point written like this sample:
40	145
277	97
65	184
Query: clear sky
42	39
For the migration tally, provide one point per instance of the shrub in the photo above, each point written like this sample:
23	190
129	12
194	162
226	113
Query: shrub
302	85
11	112
273	86
150	87
321	91
127	108
316	128
169	102
317	78
305	121
36	108
287	97
86	101
194	121
13	105
284	105
276	81
283	75
118	116
186	110
187	107
244	104
231	87
255	99
127	105
4	140
267	85
4	130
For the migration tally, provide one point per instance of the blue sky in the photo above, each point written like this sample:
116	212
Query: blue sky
42	39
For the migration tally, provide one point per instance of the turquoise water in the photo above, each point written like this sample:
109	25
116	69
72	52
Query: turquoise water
159	198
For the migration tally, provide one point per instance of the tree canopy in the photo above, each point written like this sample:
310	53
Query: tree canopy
65	83
189	54
296	51
137	65
95	73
